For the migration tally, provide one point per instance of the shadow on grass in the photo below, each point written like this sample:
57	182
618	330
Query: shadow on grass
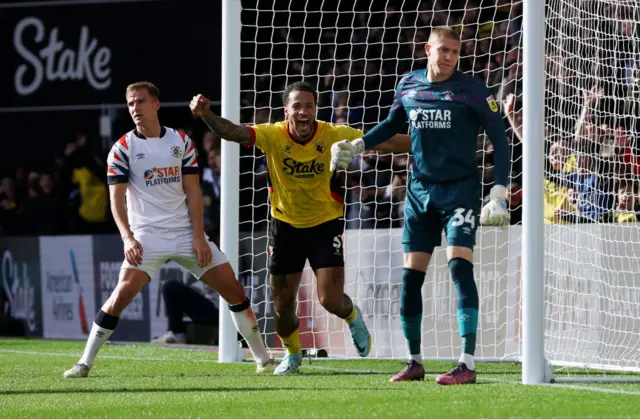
329	372
181	390
305	372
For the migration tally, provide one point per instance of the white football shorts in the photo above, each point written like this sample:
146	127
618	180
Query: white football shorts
158	249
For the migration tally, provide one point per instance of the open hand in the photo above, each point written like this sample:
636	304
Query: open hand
133	251
202	251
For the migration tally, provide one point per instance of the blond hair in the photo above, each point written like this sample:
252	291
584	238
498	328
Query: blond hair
444	32
148	86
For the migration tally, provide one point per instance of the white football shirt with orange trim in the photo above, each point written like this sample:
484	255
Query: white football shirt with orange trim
153	169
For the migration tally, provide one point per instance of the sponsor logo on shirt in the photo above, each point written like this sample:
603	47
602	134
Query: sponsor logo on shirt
430	118
306	170
162	175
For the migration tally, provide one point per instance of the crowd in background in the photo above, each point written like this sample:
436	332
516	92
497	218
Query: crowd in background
356	57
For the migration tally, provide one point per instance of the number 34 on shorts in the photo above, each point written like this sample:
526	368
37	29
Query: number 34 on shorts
460	226
462	216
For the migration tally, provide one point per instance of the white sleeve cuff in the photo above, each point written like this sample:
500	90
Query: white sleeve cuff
498	193
358	143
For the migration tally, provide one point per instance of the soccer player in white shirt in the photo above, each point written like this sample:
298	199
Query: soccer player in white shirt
156	169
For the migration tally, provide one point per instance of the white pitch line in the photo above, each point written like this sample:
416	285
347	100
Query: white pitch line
596	389
15	351
346	370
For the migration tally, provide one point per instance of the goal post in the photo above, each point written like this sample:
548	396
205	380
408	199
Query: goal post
230	157
552	291
533	39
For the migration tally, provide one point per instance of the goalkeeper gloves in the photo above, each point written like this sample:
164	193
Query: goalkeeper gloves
342	153
495	213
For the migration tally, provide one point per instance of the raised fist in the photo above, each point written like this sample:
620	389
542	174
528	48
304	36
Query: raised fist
199	105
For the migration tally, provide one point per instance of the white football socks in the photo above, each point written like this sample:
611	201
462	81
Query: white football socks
246	323
97	337
468	361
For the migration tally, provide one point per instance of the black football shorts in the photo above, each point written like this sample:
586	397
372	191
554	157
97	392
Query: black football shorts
290	247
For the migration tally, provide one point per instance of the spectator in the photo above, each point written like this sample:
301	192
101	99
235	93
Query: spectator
89	196
20	179
628	207
210	141
557	197
586	183
559	201
514	200
200	304
44	210
211	195
396	194
367	206
9	209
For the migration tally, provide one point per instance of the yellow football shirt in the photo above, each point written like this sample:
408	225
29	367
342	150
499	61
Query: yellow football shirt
555	198
570	164
302	190
626	217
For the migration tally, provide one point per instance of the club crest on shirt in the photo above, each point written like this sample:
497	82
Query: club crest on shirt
492	104
448	95
320	147
287	149
176	151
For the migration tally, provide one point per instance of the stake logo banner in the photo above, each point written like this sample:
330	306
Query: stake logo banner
20	282
56	55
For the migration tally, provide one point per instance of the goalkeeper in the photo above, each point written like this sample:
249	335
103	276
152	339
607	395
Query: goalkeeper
306	210
445	110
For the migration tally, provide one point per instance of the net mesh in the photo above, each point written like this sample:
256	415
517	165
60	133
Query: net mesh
591	183
355	53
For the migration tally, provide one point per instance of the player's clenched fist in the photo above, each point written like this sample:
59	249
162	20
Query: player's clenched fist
199	105
133	251
343	151
495	213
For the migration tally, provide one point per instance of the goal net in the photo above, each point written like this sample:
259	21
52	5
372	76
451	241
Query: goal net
592	284
355	52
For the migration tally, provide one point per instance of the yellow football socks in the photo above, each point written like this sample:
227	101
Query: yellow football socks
292	342
352	316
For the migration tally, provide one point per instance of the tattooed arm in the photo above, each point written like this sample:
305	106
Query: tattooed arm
227	129
223	127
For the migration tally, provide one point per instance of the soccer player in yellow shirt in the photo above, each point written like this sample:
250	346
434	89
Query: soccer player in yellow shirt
307	208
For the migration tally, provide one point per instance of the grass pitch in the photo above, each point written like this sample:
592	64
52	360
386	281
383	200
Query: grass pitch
146	380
